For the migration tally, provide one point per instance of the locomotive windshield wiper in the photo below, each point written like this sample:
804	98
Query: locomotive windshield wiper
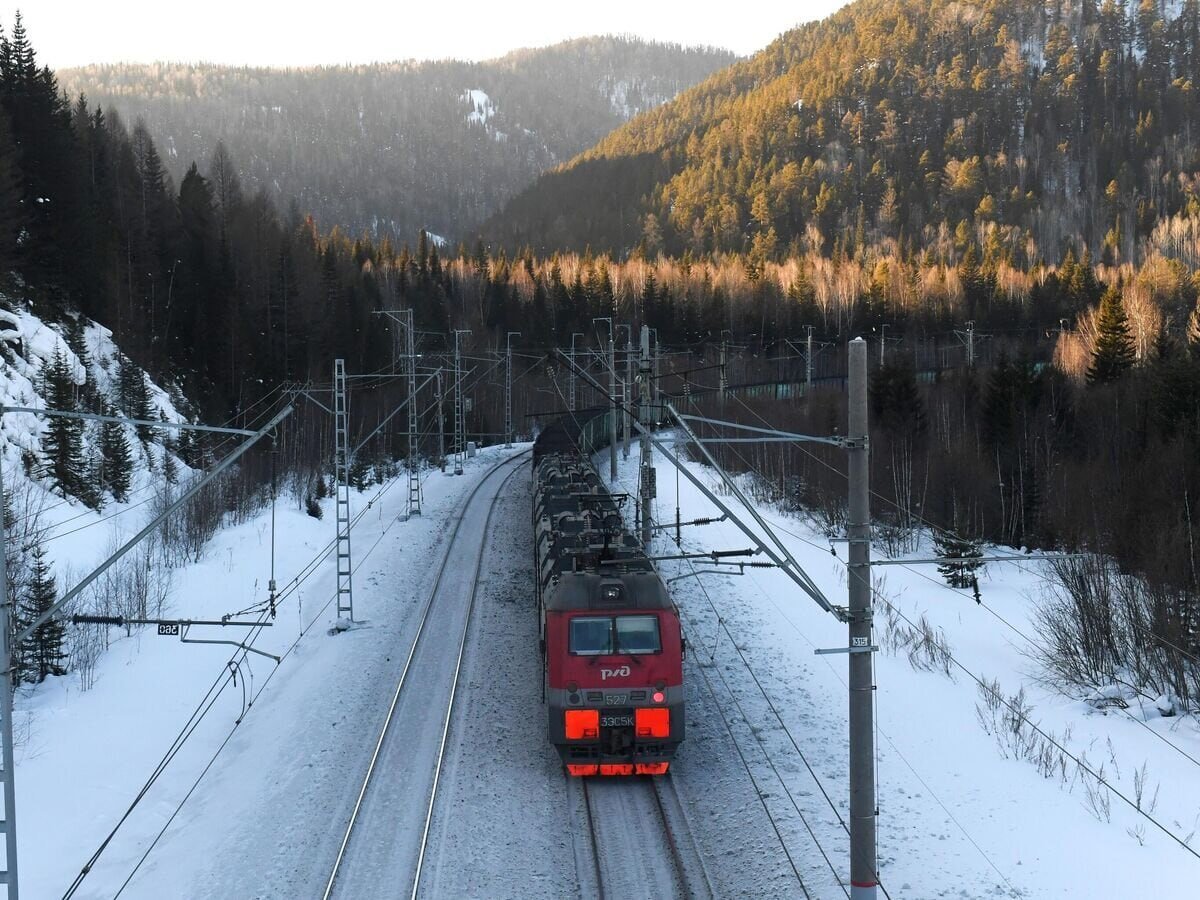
620	652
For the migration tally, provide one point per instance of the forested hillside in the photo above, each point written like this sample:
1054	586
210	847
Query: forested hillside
1024	125
397	147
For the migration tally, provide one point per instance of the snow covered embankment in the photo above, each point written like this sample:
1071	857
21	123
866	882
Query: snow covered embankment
974	800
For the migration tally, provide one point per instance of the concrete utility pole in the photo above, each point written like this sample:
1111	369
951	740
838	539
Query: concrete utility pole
863	866
646	480
612	400
882	343
571	383
971	344
460	413
808	359
508	426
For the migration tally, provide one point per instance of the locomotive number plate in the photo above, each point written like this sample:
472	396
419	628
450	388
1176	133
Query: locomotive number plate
616	721
615	699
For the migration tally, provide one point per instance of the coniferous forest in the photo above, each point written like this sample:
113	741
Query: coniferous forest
899	170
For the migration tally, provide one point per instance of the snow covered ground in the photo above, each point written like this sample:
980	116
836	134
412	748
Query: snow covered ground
262	813
960	816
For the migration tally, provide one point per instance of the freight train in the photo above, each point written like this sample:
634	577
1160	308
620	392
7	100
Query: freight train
612	646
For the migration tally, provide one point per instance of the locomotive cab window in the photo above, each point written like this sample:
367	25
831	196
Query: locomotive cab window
614	635
591	635
637	634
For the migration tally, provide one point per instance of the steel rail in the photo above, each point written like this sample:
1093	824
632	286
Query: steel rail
666	794
593	839
686	871
462	646
412	651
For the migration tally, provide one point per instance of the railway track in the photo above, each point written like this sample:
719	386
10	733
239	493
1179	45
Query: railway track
370	857
638	841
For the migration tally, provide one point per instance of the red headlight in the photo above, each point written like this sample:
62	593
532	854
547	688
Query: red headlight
581	724
653	723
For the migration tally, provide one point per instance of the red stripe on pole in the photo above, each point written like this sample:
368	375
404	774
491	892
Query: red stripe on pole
864	884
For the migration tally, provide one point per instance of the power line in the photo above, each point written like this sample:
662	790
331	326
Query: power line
222	680
1000	698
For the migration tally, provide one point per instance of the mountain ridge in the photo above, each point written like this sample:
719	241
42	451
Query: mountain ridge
391	148
902	116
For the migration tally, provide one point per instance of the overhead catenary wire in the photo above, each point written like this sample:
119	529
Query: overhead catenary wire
254	698
1020	714
721	624
294	585
766	753
223	678
958	824
1016	560
1052	741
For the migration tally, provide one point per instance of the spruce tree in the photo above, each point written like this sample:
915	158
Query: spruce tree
43	649
62	441
1113	354
116	461
15	568
134	396
952	547
170	469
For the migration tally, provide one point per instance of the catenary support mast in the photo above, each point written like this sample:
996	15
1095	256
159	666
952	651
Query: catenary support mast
341	469
460	413
646	479
863	866
508	422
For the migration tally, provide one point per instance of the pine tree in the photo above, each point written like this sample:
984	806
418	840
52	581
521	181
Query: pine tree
44	648
1113	354
952	547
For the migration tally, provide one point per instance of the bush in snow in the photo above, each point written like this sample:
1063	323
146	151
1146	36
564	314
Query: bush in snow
1099	626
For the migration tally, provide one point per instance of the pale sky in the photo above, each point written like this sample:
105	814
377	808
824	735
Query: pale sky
298	32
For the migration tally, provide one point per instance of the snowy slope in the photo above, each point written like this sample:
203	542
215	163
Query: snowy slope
29	343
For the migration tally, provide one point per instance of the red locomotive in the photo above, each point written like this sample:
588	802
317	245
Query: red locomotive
612	646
